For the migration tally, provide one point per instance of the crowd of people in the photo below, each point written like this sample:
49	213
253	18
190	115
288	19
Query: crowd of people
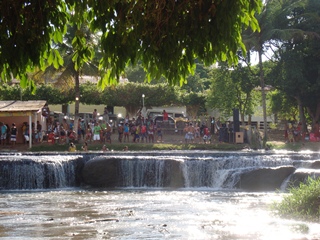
295	133
98	130
137	130
9	133
196	134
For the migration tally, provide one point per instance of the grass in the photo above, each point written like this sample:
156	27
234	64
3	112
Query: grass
140	147
303	202
296	146
272	145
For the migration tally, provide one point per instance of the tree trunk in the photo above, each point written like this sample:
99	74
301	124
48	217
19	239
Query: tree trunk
314	114
192	110
249	119
132	110
242	119
263	96
301	115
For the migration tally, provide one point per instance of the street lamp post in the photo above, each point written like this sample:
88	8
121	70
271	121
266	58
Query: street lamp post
143	108
143	100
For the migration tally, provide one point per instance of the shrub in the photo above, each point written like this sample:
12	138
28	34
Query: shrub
303	202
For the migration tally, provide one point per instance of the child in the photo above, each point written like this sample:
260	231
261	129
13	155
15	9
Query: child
85	147
72	147
125	148
104	148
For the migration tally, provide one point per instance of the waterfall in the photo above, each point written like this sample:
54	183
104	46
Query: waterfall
193	170
143	173
224	171
174	169
38	172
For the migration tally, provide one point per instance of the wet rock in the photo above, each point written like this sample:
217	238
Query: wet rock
265	179
114	172
174	176
301	177
315	165
100	172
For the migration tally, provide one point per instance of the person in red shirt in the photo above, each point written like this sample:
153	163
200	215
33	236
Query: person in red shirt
143	133
165	115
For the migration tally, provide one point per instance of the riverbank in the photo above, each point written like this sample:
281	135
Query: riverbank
169	144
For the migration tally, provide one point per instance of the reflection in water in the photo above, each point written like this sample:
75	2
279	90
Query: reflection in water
145	214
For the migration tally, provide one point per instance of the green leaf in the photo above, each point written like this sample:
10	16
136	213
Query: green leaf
50	58
23	80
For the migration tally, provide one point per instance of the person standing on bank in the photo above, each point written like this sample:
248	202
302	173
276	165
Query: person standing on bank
14	133
120	132
213	122
38	135
94	115
96	132
189	137
165	115
3	133
126	132
8	134
106	114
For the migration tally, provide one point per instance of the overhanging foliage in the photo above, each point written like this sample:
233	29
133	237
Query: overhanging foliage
165	35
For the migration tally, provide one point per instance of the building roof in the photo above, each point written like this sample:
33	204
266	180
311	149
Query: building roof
21	106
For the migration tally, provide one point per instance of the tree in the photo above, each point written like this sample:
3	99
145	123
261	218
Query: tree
283	106
77	53
256	41
297	71
165	35
138	74
194	101
129	95
91	95
135	73
48	92
233	88
272	32
10	92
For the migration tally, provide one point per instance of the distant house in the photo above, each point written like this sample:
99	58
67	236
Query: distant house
93	79
19	112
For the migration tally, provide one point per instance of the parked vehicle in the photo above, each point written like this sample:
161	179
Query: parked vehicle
56	116
174	112
86	116
159	119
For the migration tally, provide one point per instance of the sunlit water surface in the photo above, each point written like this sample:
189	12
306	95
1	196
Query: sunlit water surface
146	214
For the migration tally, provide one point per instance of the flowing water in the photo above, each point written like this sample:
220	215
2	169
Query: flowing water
146	214
206	208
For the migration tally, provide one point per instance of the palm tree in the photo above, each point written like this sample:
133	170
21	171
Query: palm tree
77	51
272	32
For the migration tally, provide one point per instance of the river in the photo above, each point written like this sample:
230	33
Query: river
144	212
